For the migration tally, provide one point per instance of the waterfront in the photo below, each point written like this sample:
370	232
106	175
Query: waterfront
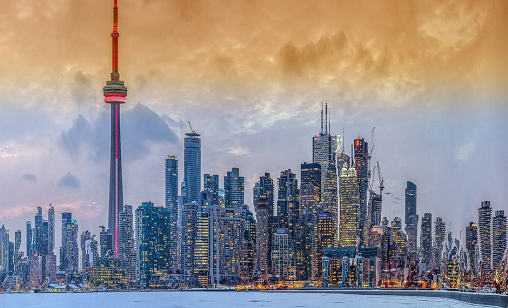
197	299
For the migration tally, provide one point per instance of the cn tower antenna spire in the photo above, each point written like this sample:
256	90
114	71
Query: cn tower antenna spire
114	36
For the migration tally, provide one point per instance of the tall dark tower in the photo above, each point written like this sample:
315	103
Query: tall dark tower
115	93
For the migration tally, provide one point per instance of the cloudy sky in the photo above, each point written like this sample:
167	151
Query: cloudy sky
431	77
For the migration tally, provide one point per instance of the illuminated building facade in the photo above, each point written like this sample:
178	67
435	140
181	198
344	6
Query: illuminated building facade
283	255
234	188
361	164
188	240
498	239
311	174
485	239
439	238
109	272
324	149
69	252
411	216
426	238
171	203
263	205
288	208
472	245
211	184
349	225
126	249
152	240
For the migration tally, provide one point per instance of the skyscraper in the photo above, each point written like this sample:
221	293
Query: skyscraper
188	240
4	249
69	253
283	255
126	250
106	242
211	184
426	238
39	233
311	174
152	234
349	225
115	93
51	229
192	166
439	238
472	245
263	205
234	188
172	206
361	163
288	208
29	239
498	239
89	250
411	218
485	238
324	149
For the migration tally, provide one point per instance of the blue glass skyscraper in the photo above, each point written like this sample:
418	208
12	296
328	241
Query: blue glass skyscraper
171	200
192	165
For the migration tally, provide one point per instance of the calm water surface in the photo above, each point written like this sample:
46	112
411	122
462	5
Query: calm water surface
197	299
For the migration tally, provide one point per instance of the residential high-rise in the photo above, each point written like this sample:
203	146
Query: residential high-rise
126	250
349	225
39	233
89	250
29	239
324	149
361	163
188	240
192	166
51	229
171	202
152	239
375	206
498	239
249	255
263	205
69	253
115	93
234	188
411	218
211	184
426	238
311	174
283	255
472	245
17	241
439	238
106	242
4	249
288	208
485	238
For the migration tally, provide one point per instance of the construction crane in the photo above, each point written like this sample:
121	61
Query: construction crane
381	181
371	183
372	143
190	126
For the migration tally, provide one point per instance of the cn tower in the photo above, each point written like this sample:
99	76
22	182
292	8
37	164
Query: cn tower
115	93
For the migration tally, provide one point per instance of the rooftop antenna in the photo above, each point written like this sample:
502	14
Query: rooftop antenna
321	117
329	126
326	118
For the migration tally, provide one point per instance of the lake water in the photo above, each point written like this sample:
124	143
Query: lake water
197	299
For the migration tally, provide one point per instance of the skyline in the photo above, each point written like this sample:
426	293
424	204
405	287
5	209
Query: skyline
72	169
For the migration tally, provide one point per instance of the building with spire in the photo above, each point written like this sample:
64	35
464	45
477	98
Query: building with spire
115	93
324	152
